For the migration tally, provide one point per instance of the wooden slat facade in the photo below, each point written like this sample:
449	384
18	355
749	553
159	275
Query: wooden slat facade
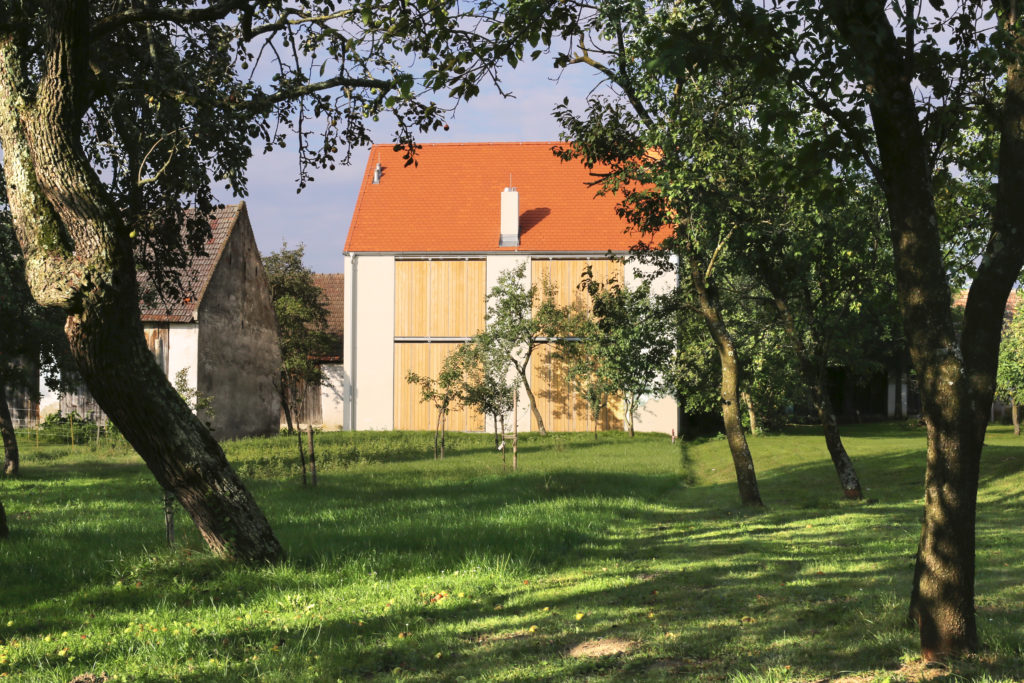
561	408
410	411
565	275
439	298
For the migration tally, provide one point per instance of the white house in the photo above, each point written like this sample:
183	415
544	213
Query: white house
429	240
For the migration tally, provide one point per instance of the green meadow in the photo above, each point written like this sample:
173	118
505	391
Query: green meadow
614	559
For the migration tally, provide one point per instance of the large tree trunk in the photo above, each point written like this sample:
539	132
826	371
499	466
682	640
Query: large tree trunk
957	376
78	256
11	459
742	462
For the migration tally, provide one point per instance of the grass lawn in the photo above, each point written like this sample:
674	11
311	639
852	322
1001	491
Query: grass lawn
621	559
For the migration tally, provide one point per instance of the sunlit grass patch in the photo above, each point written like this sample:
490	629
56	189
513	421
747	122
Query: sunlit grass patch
405	568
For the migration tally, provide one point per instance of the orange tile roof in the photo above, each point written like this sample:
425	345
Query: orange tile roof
450	202
196	277
1012	301
333	287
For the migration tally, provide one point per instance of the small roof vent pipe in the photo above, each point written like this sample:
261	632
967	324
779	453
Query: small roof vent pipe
509	218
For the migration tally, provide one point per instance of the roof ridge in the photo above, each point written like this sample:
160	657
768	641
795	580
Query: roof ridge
239	210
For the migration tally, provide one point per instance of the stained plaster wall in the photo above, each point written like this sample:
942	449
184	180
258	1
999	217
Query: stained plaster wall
238	352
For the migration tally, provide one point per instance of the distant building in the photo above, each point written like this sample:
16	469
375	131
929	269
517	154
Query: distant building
323	406
222	333
429	240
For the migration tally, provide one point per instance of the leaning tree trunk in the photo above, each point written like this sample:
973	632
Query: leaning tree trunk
956	374
815	374
848	478
1014	416
78	256
742	462
11	459
533	404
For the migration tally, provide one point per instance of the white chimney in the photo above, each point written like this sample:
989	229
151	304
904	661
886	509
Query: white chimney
509	218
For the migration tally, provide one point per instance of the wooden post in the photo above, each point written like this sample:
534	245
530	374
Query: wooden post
71	421
515	430
169	516
312	456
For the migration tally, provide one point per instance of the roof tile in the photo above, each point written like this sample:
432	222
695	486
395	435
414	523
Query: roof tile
449	201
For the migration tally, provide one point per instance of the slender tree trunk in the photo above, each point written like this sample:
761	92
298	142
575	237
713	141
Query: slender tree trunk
515	430
4	531
533	404
78	254
302	457
750	412
848	478
437	431
444	425
815	374
11	459
742	462
312	455
1015	416
286	406
169	516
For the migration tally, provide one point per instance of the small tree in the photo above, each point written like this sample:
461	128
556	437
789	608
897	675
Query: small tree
1010	375
302	327
484	378
515	327
634	342
442	391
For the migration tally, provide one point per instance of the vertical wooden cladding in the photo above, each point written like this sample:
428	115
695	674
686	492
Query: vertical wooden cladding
565	275
562	409
559	406
439	298
410	411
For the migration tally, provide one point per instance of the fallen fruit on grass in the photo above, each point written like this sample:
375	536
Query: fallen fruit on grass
580	615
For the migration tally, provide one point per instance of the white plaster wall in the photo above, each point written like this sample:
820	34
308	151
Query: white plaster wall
655	414
370	325
636	271
497	264
347	345
183	351
332	403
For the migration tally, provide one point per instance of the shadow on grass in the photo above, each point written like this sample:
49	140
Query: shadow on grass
704	589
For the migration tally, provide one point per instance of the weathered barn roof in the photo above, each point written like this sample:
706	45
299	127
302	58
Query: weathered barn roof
333	287
196	277
449	201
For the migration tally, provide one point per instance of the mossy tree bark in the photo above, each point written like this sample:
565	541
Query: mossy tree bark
78	256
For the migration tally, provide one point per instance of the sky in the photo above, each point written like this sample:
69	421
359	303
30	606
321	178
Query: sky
319	216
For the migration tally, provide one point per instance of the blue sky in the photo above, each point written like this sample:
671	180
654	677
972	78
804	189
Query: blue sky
319	217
